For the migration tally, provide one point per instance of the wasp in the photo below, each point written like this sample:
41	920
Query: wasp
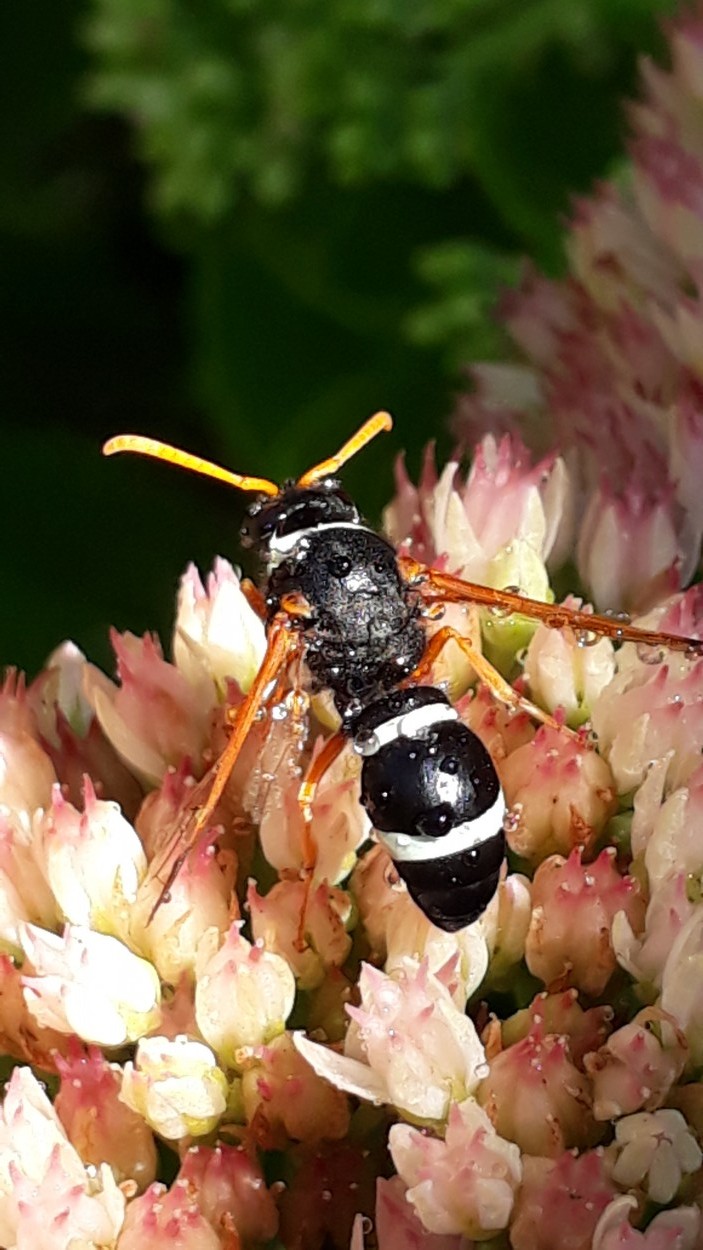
336	595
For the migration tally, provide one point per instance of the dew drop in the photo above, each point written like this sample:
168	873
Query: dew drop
481	1071
279	712
649	654
450	764
367	744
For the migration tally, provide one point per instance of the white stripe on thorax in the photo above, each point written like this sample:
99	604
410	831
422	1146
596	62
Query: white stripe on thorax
288	544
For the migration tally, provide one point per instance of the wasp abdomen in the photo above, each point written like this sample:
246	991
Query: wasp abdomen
433	796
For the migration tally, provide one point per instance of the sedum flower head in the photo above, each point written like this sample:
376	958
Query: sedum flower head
584	973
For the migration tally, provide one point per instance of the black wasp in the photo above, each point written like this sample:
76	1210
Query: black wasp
337	595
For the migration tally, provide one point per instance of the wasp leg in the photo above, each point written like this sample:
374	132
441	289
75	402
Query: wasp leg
281	644
438	587
254	598
306	797
500	688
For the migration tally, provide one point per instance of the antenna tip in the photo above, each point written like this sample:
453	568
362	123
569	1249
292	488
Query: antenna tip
115	444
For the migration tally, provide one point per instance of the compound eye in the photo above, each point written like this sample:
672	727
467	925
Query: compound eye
436	822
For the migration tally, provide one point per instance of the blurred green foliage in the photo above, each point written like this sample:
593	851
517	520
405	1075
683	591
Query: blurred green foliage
242	225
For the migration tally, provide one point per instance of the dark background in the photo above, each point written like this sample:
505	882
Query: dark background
242	227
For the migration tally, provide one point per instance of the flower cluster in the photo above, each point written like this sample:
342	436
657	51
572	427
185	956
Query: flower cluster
244	1052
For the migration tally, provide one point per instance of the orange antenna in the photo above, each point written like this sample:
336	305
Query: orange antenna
375	425
161	451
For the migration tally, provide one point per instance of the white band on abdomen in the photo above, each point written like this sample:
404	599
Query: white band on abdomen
406	725
407	848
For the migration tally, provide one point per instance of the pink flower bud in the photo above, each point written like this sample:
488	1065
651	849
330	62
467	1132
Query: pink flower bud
676	1229
561	792
408	1029
649	711
536	1097
637	1066
217	635
230	1190
94	861
89	984
163	1219
324	914
100	1127
560	1201
72	737
573	908
408	1044
500	729
563	674
465	1184
284	1098
46	1192
561	1013
154	719
398	1226
176	1086
26	774
199	902
646	955
338	827
506	503
243	994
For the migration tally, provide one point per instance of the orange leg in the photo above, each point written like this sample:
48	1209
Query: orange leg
306	794
443	588
254	598
500	688
282	643
306	798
